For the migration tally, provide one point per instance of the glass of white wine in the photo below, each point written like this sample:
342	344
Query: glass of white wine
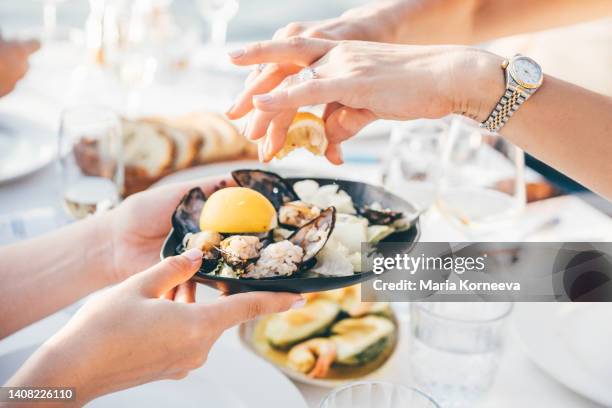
483	185
90	160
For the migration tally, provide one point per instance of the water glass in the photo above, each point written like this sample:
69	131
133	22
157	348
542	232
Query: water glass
412	168
456	347
90	159
375	394
483	186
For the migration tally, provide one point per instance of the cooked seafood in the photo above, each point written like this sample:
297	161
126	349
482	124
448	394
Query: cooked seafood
313	236
297	213
277	259
353	342
286	329
271	185
239	250
269	227
314	356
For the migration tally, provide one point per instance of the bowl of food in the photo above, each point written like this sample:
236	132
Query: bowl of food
333	339
288	234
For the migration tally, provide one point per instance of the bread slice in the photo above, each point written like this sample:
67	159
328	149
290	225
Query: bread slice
233	143
147	148
187	142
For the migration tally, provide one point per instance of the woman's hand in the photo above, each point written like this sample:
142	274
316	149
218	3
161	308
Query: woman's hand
361	82
375	21
131	334
138	227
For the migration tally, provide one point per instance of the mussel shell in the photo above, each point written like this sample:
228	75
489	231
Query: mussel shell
209	265
379	217
324	223
271	185
186	216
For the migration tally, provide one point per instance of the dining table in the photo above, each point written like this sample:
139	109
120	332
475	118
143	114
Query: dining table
31	205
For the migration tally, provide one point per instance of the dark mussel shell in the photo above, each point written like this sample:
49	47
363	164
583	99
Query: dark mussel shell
271	185
186	217
379	217
324	223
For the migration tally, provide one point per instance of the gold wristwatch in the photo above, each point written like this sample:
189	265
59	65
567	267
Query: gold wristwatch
523	78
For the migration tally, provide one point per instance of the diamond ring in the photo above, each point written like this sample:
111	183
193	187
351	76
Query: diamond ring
307	74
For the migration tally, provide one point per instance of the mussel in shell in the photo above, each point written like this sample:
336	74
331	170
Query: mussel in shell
313	236
186	217
271	185
240	250
297	214
379	216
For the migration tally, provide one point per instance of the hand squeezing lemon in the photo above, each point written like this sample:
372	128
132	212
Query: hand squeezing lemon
308	131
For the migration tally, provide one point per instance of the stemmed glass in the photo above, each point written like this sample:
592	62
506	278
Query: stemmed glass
483	187
90	159
218	13
377	394
50	18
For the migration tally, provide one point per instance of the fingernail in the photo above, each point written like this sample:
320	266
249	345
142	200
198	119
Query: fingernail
298	304
268	149
194	254
237	53
265	98
260	147
229	110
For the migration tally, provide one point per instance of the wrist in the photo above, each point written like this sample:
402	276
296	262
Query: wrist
480	84
102	253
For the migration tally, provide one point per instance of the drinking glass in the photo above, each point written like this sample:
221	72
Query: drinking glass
412	168
90	160
455	348
218	13
50	18
375	394
482	189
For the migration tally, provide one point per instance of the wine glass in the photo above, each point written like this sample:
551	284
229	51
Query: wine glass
218	13
482	190
90	159
412	165
50	18
377	394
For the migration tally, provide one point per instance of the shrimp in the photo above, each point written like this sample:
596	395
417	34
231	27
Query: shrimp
314	356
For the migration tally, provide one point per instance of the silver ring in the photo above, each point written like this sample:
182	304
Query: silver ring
307	74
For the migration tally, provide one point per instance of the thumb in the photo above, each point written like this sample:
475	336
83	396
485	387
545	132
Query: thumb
170	272
235	309
345	122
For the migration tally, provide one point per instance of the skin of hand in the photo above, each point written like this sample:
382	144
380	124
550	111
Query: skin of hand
87	255
14	62
356	80
132	334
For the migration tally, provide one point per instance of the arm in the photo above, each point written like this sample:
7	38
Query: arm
562	124
43	275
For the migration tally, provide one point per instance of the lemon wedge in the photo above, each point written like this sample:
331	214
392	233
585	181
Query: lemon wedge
237	210
308	131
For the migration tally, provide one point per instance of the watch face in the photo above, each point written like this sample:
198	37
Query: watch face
526	72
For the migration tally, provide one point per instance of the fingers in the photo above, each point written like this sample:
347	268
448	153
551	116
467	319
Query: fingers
277	133
312	92
334	154
267	80
235	309
185	292
345	122
171	272
258	124
169	295
295	50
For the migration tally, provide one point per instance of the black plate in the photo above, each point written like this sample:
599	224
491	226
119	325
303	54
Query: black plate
362	194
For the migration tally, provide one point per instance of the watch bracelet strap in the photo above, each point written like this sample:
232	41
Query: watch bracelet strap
509	103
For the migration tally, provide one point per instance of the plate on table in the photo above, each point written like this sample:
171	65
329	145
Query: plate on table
231	378
571	342
372	360
24	147
303	281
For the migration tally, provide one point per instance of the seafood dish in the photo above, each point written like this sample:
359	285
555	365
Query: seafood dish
268	228
334	337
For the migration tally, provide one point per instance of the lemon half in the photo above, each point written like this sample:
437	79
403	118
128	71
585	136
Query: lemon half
237	209
308	131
